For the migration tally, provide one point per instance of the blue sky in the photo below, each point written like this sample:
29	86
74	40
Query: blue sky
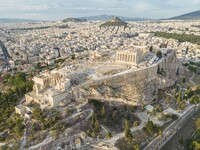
60	9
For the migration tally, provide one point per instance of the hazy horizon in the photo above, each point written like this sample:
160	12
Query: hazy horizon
60	9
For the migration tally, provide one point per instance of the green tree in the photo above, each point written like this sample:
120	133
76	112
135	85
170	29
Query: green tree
38	114
109	135
136	123
179	97
93	134
196	145
136	147
159	54
127	131
151	49
197	123
93	119
19	126
167	99
194	99
103	111
97	125
181	105
55	133
159	108
160	132
149	127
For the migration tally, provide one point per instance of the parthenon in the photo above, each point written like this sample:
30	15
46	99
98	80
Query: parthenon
126	57
131	56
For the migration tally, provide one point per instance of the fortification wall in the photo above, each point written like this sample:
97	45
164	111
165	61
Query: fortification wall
141	84
134	76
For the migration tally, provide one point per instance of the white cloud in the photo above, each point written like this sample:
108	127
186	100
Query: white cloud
39	7
68	8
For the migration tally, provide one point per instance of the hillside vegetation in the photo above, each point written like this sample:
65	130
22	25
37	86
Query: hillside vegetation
195	39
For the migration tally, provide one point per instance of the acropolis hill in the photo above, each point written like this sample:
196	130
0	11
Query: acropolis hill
90	85
131	76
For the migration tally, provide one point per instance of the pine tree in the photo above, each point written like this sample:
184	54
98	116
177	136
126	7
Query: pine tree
179	97
97	126
167	99
127	131
93	119
103	111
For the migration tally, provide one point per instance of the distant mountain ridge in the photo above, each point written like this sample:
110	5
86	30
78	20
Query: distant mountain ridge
114	22
191	15
74	20
108	17
7	20
104	17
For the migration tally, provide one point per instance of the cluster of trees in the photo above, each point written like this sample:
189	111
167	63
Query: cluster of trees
15	126
127	131
150	128
119	119
37	114
194	143
17	85
49	121
195	39
18	126
96	127
53	119
128	143
194	99
193	66
95	123
180	101
191	92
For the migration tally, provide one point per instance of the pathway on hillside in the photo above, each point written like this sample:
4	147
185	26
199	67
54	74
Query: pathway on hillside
23	141
168	133
142	116
192	78
49	138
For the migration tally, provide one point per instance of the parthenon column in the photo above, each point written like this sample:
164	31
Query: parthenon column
131	58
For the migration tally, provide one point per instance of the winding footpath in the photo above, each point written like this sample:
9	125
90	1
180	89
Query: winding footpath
192	78
49	139
193	75
144	119
169	132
